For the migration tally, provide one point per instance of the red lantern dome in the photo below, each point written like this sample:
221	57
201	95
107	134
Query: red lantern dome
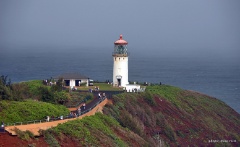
120	41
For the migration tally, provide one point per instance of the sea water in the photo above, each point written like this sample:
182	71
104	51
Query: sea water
217	77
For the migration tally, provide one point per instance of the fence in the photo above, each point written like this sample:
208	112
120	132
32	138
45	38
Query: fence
54	118
108	94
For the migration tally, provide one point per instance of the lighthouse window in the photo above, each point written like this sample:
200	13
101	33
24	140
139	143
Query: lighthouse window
115	58
119	58
123	58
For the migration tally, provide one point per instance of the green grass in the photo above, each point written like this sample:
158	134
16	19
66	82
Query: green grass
29	110
167	92
84	130
34	86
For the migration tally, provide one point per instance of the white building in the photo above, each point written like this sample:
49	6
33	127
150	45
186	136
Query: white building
133	88
120	63
74	79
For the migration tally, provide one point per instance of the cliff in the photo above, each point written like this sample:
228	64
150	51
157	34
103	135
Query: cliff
164	115
177	117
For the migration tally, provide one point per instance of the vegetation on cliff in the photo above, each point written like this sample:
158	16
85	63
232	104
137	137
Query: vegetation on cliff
29	110
162	114
179	117
35	89
96	130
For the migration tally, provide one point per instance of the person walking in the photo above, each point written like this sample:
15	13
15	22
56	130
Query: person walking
48	118
84	105
2	125
79	111
99	95
104	96
2	129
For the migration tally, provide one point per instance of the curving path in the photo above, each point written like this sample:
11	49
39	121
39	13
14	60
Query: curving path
34	128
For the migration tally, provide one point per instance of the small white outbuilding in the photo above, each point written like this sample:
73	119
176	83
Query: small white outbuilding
74	79
133	88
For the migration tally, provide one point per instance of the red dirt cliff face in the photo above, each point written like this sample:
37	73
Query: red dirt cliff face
194	119
191	128
6	140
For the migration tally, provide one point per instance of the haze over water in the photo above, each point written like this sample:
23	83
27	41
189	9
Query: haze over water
219	78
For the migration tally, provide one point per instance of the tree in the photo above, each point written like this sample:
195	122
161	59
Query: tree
47	95
5	88
61	97
59	85
3	80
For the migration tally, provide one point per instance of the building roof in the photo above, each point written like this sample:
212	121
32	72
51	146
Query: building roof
72	76
120	41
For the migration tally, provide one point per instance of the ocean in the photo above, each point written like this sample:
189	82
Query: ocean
215	76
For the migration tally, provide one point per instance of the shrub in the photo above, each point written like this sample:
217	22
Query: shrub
47	94
148	97
180	134
24	135
89	131
169	133
51	140
127	120
33	86
29	110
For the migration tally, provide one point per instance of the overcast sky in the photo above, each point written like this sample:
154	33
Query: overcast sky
177	26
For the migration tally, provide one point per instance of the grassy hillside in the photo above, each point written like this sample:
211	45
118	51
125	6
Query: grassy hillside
162	114
97	130
180	117
12	111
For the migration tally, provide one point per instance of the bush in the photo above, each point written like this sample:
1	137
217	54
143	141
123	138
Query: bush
169	133
24	135
127	120
51	140
29	110
149	98
5	88
33	86
89	131
47	95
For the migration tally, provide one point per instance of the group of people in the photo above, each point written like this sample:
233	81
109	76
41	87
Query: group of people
78	111
96	88
49	82
73	88
48	118
103	96
71	114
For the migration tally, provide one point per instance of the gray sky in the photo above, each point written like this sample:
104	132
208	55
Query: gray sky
157	26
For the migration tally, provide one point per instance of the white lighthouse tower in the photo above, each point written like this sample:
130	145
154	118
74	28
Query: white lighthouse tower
120	63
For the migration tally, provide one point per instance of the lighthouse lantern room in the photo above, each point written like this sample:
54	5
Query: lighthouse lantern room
120	63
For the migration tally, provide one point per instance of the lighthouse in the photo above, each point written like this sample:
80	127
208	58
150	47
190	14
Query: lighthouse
120	63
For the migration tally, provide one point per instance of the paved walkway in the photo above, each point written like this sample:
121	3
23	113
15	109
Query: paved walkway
34	128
